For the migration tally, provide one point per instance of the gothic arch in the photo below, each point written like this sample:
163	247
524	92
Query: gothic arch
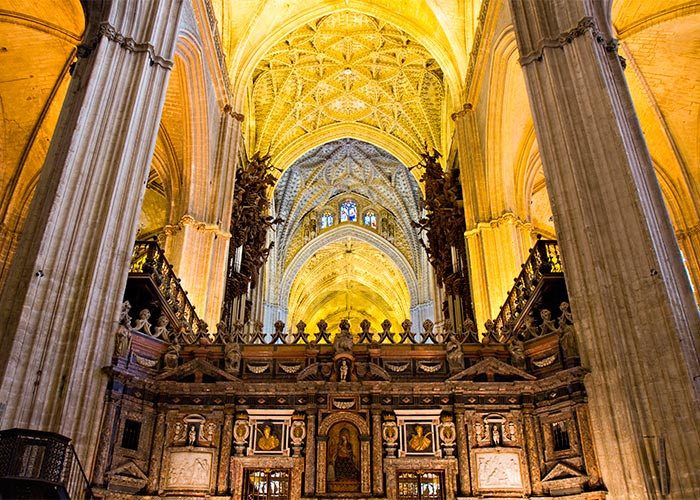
360	233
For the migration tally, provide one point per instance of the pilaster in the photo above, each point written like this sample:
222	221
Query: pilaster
636	319
310	459
156	453
222	487
377	451
465	487
60	303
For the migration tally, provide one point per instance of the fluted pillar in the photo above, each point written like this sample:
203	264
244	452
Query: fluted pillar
103	447
197	245
497	250
60	304
497	240
636	319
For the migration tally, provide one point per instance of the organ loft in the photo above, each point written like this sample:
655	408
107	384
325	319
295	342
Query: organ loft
349	249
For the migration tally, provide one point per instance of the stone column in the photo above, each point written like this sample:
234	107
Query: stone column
497	240
377	462
310	459
636	319
156	454
197	245
465	486
60	305
225	453
102	457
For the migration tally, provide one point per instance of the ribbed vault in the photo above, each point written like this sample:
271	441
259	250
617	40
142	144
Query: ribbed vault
348	68
349	279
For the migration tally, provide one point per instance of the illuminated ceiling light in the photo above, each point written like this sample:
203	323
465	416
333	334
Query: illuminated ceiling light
347	71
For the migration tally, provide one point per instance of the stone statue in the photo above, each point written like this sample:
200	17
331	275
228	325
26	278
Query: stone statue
142	324
547	325
161	329
343	371
495	435
529	330
192	436
517	354
455	356
123	341
171	358
568	334
232	357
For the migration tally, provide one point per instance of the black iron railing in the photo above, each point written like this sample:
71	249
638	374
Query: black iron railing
37	464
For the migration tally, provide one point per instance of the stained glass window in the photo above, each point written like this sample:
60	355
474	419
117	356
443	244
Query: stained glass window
370	219
326	220
348	211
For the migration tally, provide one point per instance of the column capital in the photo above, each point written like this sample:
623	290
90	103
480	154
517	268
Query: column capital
462	112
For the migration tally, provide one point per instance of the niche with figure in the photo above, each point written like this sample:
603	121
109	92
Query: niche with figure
343	459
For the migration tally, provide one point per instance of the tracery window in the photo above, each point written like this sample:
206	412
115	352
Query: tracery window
420	486
326	220
348	211
370	219
266	484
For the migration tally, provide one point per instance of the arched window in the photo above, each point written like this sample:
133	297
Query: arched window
348	211
370	219
326	220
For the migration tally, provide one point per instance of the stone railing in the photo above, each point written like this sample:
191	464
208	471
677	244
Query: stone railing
149	259
543	263
37	464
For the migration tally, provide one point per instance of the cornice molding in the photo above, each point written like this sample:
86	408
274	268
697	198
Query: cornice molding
109	32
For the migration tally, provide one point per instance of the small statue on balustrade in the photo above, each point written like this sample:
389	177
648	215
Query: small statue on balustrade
172	356
568	334
491	334
471	333
547	325
529	329
142	324
161	328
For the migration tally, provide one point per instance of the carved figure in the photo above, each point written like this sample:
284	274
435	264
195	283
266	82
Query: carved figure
419	441
428	327
568	334
343	342
241	430
171	357
232	357
343	371
448	433
495	435
161	329
301	327
124	318
517	354
479	430
406	325
297	432
322	327
529	330
547	325
390	432
192	436
122	341
511	431
279	327
268	441
142	324
455	356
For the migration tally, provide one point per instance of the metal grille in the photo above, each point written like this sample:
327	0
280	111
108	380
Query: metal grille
420	486
266	484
